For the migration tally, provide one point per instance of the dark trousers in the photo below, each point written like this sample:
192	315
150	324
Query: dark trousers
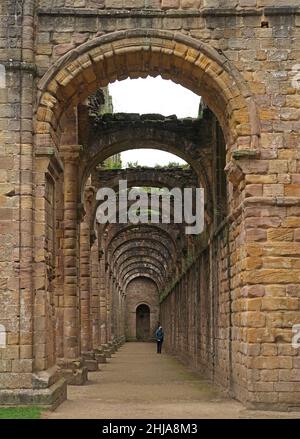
159	345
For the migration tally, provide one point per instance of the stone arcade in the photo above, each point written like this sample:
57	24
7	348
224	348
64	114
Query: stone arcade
229	298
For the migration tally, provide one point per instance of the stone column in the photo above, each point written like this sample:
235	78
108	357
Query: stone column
48	170
95	296
114	309
19	383
123	316
71	364
103	304
109	305
85	291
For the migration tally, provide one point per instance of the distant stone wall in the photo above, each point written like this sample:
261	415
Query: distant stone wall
141	291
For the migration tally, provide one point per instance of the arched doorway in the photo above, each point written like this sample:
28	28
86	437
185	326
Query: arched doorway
143	322
62	92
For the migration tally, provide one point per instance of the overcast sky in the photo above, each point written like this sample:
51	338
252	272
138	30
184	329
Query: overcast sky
152	95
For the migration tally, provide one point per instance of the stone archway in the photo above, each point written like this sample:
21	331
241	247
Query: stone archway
248	269
142	306
141	52
74	77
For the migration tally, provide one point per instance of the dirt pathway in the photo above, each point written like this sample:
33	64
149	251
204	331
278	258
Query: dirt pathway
138	383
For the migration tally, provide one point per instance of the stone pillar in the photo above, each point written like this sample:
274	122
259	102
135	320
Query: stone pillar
122	315
71	364
109	305
20	382
95	296
118	311
59	268
48	169
85	291
103	303
114	309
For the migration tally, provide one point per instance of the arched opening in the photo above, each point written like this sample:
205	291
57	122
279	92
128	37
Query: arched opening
149	52
228	296
101	263
143	323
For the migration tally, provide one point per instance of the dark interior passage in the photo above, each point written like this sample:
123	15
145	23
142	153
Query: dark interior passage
143	322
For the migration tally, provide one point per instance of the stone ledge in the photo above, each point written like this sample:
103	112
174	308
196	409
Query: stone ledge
109	177
272	201
15	65
147	117
191	128
49	398
240	154
204	12
281	10
52	155
142	12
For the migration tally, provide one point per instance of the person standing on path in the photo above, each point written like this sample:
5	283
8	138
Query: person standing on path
159	334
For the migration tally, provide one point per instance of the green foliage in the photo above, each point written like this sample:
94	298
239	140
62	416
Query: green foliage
151	190
20	412
115	163
132	165
172	165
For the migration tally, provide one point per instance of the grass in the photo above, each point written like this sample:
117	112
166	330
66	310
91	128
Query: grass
20	412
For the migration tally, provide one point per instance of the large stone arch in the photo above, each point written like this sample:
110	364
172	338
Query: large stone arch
137	274
119	55
249	268
115	252
153	274
141	253
141	266
126	241
190	144
142	52
173	232
141	246
140	229
143	177
147	230
135	260
146	177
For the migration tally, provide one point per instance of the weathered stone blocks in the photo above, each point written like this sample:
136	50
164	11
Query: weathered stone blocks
243	292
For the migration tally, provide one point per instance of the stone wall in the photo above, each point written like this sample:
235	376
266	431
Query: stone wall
244	60
198	315
165	4
141	291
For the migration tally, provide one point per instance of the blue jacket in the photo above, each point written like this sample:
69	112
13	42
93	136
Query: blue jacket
159	334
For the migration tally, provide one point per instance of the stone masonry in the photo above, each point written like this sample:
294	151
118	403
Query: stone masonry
229	298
